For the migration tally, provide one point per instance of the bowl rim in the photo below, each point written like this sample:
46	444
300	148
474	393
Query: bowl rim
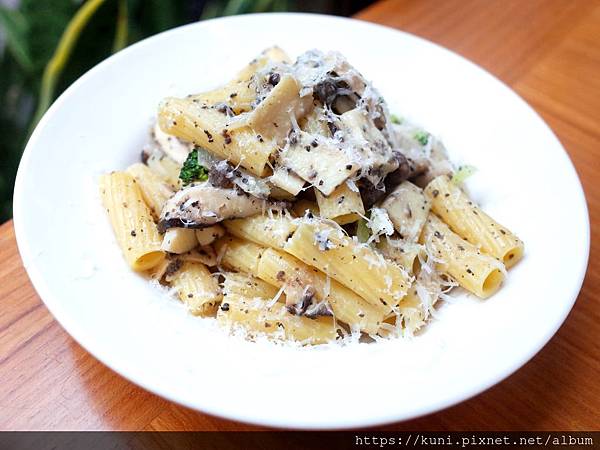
51	301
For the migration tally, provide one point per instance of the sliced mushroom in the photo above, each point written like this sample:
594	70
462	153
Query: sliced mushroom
174	148
427	159
298	298
408	209
202	205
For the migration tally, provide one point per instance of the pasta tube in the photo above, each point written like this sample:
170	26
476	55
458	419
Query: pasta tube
208	235
166	168
274	115
240	93
270	55
356	266
301	207
239	255
478	273
179	240
264	230
131	220
248	286
208	128
155	190
279	268
343	205
467	220
196	287
404	253
258	317
287	180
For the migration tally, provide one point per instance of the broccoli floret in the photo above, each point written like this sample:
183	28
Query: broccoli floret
462	174
363	232
192	170
422	137
395	119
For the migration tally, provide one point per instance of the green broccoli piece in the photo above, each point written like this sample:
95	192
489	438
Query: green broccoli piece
395	119
422	137
192	170
363	232
463	173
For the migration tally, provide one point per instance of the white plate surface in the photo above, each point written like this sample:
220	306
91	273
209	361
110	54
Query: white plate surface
524	179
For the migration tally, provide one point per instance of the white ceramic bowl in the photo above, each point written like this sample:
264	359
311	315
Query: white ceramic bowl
524	179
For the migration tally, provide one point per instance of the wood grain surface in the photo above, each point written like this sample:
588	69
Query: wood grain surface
546	50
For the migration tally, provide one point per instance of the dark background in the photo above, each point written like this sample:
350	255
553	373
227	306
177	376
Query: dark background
30	31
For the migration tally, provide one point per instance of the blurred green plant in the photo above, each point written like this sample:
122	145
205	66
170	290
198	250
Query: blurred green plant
45	45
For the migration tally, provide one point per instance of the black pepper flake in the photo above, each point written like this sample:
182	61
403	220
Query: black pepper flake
133	233
321	182
260	138
190	295
435	193
438	235
267	325
280	275
307	148
225	109
502	231
314	143
226	136
470	271
225	307
173	267
349	167
209	136
233	95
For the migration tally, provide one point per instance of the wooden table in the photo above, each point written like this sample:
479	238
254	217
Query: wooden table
549	52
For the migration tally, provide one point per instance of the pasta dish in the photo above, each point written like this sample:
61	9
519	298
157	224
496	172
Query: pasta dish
291	203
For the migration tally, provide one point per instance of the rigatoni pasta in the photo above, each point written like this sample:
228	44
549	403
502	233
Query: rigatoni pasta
289	204
477	272
155	189
257	316
196	287
131	220
358	267
343	205
450	203
282	270
270	231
